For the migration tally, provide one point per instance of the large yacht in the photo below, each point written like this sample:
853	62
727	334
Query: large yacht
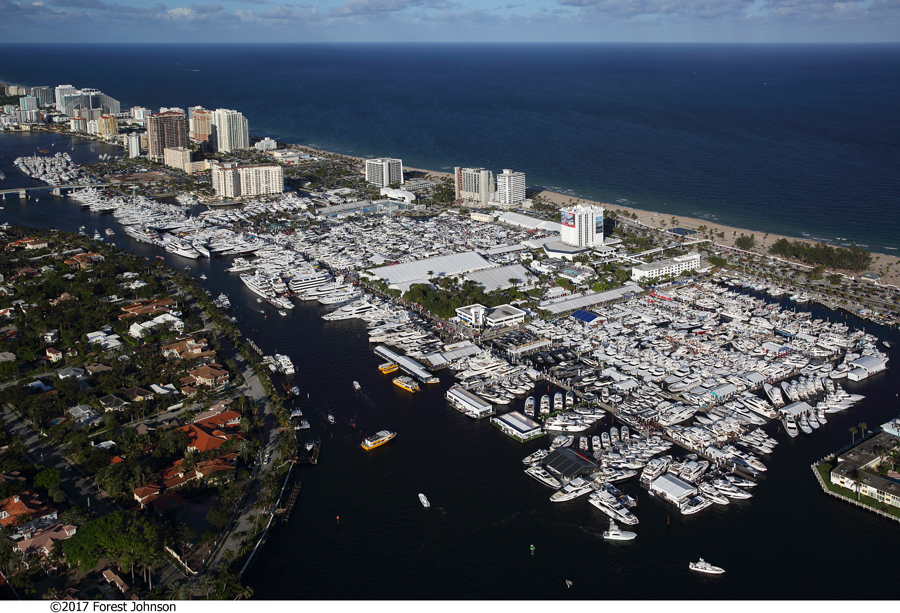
308	281
607	503
541	475
572	490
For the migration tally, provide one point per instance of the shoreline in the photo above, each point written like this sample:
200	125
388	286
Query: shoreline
888	266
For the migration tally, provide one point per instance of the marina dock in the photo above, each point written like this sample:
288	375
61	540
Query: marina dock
408	365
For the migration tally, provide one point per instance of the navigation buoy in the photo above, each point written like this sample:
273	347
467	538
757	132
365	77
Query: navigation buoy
338	518
532	550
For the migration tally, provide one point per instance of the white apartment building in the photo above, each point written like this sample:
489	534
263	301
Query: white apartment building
582	225
231	130
133	144
510	187
140	113
384	171
473	186
666	268
266	144
231	180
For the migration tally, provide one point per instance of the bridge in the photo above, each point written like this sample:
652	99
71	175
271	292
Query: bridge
55	190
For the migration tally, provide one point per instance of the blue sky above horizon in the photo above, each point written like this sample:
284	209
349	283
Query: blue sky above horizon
819	21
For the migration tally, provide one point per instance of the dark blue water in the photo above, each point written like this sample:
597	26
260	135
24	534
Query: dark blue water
802	140
473	543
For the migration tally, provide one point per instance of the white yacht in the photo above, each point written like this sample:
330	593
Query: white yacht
695	505
573	489
541	475
616	534
607	503
705	567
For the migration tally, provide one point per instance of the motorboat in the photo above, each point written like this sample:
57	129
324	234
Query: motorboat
541	475
705	567
424	501
616	534
573	489
695	505
357	386
330	418
536	457
377	439
607	503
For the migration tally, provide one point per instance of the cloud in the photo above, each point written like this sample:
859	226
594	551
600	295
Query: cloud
382	7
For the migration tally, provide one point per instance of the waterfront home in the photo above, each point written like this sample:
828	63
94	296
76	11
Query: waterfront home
857	470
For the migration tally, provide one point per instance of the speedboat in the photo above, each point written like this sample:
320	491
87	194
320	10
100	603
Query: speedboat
330	418
357	386
424	501
695	505
615	534
705	567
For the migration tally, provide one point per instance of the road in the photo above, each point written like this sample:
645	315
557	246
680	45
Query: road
81	491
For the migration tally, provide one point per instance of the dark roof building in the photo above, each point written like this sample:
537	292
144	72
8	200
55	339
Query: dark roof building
567	464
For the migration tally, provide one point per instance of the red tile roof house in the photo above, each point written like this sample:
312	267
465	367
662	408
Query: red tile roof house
212	432
113	577
55	355
24	505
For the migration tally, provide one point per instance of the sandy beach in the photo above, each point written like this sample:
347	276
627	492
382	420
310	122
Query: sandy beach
886	265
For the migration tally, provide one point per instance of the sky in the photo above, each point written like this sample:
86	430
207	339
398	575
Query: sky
162	21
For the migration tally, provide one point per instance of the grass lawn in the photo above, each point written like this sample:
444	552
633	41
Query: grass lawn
825	472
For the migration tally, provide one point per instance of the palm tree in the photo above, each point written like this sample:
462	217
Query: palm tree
862	426
853	431
245	592
206	583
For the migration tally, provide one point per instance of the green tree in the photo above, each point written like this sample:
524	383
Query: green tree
47	479
853	431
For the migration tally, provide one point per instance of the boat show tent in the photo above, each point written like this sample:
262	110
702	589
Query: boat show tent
568	463
493	279
442	358
796	408
870	363
672	488
753	377
529	223
404	275
518	426
579	301
585	316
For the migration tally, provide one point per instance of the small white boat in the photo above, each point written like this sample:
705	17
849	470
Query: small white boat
282	313
615	534
358	387
330	418
423	499
705	567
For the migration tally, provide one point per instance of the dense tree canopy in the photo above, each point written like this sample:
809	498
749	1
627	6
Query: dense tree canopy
122	538
852	258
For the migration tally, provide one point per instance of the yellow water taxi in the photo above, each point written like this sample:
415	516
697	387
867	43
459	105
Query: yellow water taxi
377	439
407	383
388	367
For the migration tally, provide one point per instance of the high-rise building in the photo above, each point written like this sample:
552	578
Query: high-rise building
174	109
139	112
78	102
15	90
30	116
165	130
384	171
582	225
93	128
107	125
510	187
201	124
44	94
231	180
28	103
473	186
133	142
59	91
231	130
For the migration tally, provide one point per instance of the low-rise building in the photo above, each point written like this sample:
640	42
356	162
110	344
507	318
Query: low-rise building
671	267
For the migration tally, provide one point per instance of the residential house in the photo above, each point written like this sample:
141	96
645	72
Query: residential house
210	375
188	349
27	504
84	416
137	394
113	577
50	336
85	260
113	403
54	355
41	542
74	372
211	433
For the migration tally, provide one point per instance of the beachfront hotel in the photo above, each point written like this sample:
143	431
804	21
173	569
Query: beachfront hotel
200	123
473	186
510	187
582	225
231	180
384	171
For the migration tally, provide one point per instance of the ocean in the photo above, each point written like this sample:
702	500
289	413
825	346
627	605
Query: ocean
800	140
474	542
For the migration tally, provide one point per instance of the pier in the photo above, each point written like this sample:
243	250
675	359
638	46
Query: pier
408	365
